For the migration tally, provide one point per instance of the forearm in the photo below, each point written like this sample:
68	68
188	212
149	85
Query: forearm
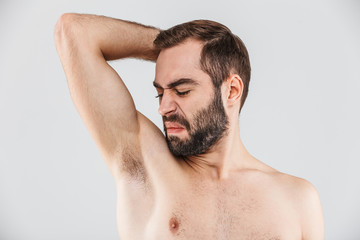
114	38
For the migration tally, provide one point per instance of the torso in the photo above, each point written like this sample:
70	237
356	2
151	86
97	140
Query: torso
248	205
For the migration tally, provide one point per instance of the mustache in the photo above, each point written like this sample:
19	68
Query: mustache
177	119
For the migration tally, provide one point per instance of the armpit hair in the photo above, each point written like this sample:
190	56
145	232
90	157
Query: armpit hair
131	163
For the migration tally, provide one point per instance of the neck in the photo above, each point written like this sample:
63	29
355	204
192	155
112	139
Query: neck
227	156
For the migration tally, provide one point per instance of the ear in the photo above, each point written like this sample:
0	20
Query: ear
235	89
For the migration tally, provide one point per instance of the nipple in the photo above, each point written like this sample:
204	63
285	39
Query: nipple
173	225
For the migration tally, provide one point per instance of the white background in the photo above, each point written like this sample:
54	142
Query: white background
302	114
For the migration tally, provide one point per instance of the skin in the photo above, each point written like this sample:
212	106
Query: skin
223	194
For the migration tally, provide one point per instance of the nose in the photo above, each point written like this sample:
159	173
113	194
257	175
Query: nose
167	105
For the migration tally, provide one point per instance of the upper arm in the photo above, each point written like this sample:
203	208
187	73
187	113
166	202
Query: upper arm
311	212
100	96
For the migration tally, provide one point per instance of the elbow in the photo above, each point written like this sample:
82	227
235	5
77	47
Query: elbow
64	29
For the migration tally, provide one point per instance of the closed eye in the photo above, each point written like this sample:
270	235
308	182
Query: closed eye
177	92
182	93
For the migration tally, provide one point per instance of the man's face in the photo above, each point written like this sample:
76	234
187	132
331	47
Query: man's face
193	112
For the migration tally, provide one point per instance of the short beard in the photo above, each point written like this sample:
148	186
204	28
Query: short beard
208	127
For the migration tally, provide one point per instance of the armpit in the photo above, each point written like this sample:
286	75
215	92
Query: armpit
132	164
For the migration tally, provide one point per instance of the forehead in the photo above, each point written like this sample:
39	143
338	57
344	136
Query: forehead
181	61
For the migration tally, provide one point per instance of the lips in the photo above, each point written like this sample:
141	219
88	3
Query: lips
172	127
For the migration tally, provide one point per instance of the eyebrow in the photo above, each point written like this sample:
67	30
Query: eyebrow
177	83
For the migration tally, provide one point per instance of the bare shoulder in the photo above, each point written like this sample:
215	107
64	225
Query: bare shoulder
296	186
300	189
305	198
298	194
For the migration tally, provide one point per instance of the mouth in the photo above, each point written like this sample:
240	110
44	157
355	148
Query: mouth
173	128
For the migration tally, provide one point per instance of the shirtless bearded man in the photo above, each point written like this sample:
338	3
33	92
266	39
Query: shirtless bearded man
197	182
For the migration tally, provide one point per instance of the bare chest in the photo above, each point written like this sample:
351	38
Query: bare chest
203	211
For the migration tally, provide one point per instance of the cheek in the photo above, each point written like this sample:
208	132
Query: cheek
192	107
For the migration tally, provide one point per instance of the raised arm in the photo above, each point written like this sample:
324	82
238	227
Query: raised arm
84	44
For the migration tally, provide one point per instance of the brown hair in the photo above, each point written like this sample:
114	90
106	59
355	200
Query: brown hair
223	53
